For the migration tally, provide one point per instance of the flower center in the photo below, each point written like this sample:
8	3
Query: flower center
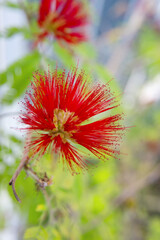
59	119
52	23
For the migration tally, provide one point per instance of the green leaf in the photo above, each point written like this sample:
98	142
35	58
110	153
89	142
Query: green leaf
19	74
38	233
103	74
86	50
28	32
12	5
43	235
78	187
64	55
31	232
154	229
40	208
148	49
106	77
13	30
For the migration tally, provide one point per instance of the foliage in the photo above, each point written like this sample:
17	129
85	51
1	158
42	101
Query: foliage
115	200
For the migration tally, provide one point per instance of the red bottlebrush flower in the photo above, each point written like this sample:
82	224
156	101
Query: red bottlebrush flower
65	19
59	113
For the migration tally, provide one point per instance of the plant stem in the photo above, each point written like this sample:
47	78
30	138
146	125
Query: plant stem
13	179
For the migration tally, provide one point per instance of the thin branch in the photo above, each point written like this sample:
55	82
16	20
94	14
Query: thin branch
48	200
42	182
27	12
13	179
23	162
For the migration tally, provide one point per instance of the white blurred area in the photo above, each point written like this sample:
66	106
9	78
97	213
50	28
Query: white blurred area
13	222
11	49
150	92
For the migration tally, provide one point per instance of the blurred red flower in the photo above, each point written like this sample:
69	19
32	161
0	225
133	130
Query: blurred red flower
65	19
60	110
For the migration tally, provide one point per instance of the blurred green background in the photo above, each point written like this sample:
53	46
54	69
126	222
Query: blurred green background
119	199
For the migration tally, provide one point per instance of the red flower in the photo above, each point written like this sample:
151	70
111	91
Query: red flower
59	111
65	19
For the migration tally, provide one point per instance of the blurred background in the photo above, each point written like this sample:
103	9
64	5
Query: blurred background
120	199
